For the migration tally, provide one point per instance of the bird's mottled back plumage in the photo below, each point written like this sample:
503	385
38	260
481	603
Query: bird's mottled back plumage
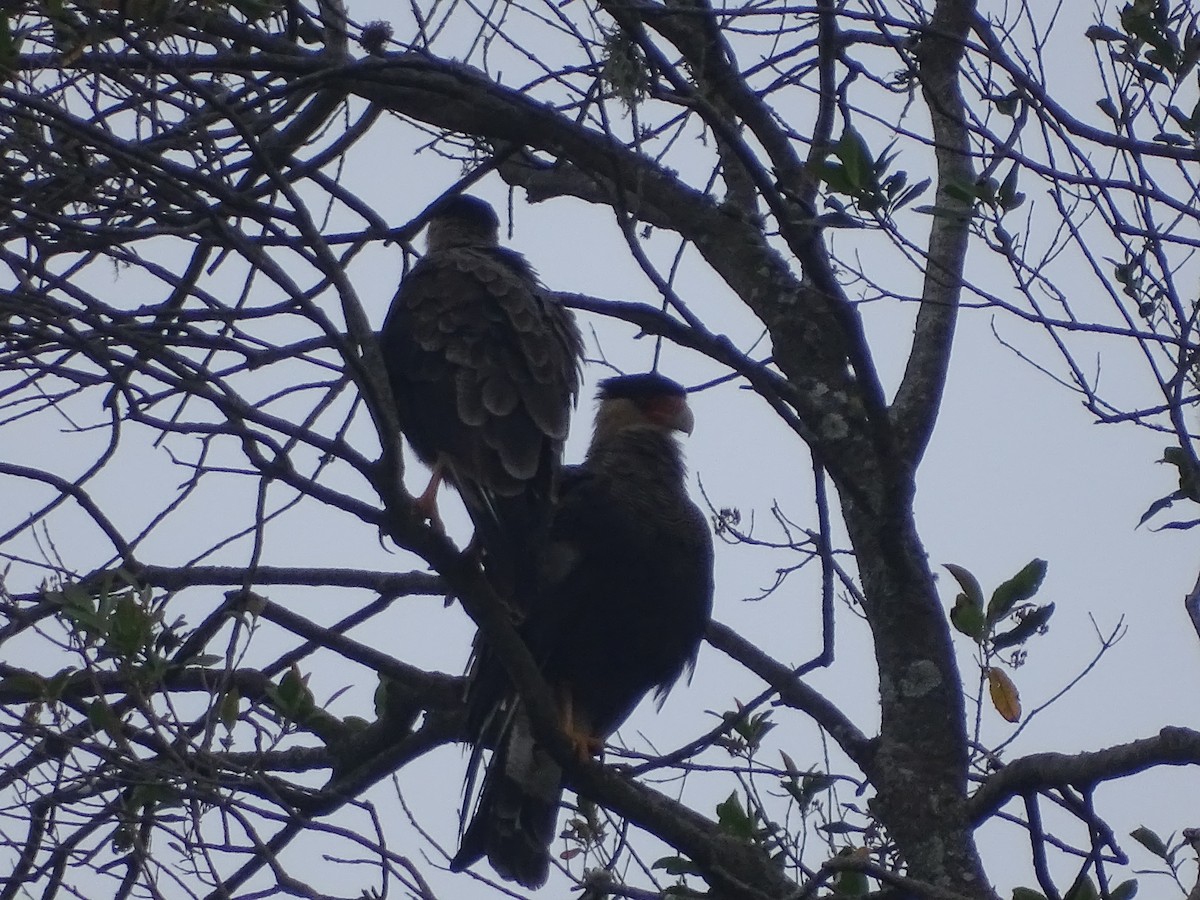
484	368
624	594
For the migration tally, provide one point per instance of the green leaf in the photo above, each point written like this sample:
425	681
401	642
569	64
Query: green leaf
851	884
817	783
1082	889
804	789
1165	57
295	699
968	619
1109	109
79	608
1016	590
835	177
886	158
230	706
129	628
912	193
967	613
968	582
870	202
102	718
1125	890
677	865
1023	893
1151	842
852	150
943	212
1008	195
1007	105
789	764
733	820
754	729
1151	73
1136	20
1031	623
895	183
1104	33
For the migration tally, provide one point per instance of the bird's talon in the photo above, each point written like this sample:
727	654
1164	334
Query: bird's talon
585	746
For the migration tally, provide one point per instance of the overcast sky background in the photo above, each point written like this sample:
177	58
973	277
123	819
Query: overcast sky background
1016	470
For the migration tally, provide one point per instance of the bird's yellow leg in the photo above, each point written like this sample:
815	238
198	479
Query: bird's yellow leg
583	742
426	503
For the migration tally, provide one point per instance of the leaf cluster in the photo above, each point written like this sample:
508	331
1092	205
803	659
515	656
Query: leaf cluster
744	732
1007	620
1008	604
850	170
1189	489
1158	46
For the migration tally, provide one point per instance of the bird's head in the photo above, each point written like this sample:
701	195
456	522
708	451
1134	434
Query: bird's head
646	399
462	221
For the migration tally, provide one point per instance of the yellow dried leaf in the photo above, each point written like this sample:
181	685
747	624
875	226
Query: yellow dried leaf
1004	695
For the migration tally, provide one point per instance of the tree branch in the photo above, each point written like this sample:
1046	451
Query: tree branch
1172	746
796	694
919	397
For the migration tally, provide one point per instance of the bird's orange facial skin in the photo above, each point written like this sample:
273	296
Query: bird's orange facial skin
668	411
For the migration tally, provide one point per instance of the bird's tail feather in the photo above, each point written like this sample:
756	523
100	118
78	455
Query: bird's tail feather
511	531
515	819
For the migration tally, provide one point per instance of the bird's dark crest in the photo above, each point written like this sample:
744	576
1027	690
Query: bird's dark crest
638	387
468	209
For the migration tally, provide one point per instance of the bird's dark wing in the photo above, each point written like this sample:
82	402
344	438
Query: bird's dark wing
484	367
629	588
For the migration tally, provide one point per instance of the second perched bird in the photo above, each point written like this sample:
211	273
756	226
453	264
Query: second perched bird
484	368
626	591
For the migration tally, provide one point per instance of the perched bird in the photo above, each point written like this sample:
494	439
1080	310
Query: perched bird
484	368
625	591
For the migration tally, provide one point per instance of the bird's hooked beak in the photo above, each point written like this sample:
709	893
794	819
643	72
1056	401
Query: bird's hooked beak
684	420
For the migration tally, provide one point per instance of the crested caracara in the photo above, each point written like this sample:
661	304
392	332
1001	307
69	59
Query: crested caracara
625	588
484	368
